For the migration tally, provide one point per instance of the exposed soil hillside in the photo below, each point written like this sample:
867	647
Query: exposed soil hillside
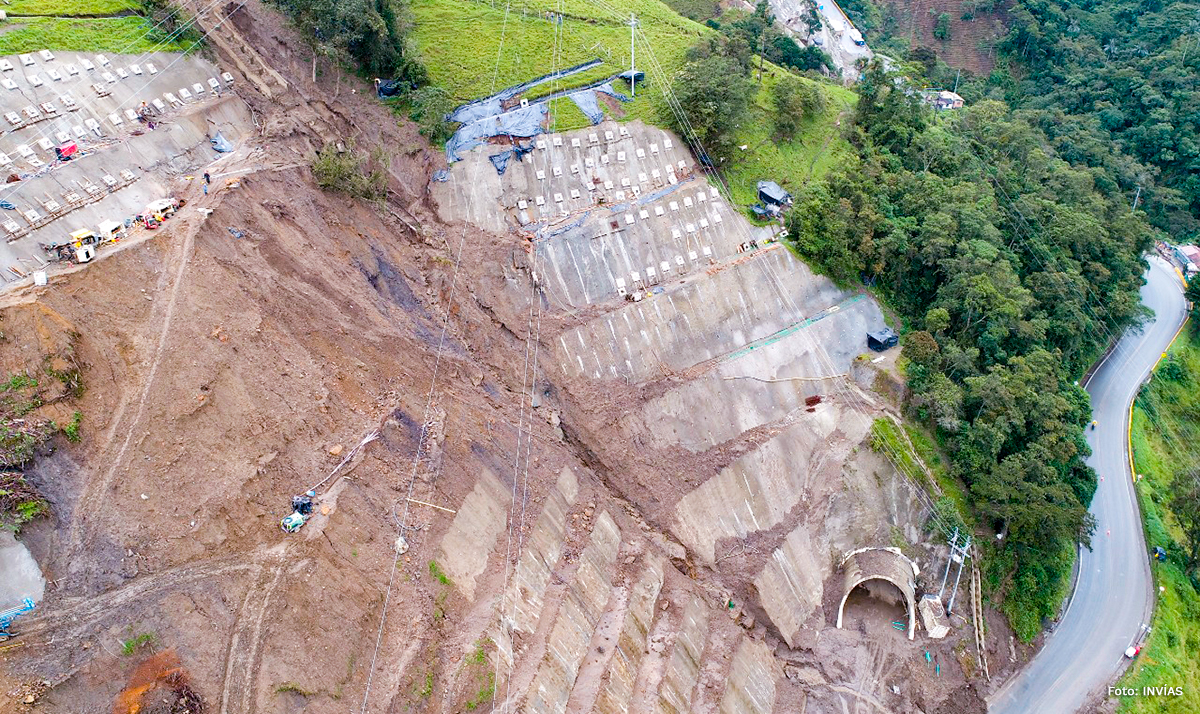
971	42
238	357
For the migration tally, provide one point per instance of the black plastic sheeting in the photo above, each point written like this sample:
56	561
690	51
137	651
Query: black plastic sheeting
589	103
392	87
491	106
486	118
500	161
520	123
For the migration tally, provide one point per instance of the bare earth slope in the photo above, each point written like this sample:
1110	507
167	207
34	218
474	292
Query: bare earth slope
660	530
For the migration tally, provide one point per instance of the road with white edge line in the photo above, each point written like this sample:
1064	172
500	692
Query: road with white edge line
1113	598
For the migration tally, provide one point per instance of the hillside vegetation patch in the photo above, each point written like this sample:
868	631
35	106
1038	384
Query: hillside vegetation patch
69	8
472	50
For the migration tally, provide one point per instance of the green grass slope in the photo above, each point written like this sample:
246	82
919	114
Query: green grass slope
1166	437
127	35
59	25
473	49
68	8
817	148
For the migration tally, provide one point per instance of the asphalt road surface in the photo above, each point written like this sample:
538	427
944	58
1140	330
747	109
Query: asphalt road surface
1113	596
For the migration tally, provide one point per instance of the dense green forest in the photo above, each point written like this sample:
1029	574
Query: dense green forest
1114	86
1014	268
371	35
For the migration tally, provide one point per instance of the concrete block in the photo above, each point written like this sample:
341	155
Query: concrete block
933	617
683	669
577	618
472	535
750	688
790	586
542	552
631	643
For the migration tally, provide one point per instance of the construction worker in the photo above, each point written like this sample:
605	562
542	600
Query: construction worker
207	178
1093	425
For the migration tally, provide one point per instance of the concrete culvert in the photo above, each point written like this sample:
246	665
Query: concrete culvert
886	576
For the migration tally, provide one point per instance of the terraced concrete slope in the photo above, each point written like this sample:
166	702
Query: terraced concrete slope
606	505
93	101
718	390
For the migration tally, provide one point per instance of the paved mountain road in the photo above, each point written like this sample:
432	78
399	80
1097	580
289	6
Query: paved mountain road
1113	596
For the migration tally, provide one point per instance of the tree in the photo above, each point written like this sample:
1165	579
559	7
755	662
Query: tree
795	101
1185	504
429	107
713	92
373	34
1193	295
941	30
784	51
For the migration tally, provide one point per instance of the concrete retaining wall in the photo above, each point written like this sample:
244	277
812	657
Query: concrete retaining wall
577	618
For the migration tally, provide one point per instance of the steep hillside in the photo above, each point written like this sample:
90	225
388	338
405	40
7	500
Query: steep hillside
973	29
474	49
117	26
531	493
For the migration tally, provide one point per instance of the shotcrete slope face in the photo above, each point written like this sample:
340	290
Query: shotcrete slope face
726	402
92	100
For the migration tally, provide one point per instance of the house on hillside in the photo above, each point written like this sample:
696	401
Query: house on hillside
942	99
773	196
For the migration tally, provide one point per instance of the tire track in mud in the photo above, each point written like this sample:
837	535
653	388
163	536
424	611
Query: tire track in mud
73	618
96	489
78	619
243	656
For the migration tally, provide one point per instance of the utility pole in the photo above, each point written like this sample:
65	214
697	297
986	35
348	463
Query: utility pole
1136	196
762	50
946	573
959	557
632	64
956	77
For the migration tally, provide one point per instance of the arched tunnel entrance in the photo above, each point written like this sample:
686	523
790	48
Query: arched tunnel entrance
879	581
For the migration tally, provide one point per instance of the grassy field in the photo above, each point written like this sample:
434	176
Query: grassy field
473	49
68	8
1165	438
460	41
818	147
114	35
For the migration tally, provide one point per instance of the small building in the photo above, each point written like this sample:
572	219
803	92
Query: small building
1191	255
933	617
772	194
946	99
633	75
883	339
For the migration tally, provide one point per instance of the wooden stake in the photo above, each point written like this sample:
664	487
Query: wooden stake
422	503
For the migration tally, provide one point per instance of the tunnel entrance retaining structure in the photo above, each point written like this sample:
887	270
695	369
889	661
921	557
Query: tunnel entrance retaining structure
888	564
